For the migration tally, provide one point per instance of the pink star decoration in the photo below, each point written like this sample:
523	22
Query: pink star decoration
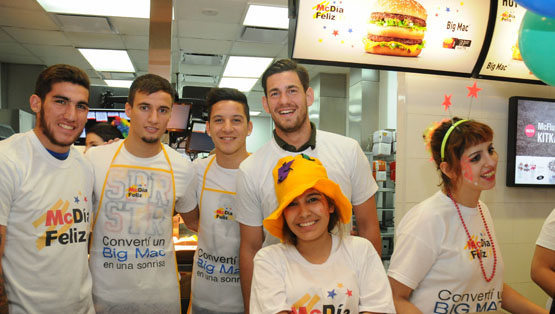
349	293
473	91
335	32
447	102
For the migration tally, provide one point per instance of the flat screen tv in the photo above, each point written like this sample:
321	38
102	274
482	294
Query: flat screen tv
531	142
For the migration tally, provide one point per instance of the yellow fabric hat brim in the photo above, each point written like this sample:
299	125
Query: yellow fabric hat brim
274	222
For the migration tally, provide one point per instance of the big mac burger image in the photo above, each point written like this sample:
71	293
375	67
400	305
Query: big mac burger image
396	28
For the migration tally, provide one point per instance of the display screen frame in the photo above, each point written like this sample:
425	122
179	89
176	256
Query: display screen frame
533	170
90	122
294	6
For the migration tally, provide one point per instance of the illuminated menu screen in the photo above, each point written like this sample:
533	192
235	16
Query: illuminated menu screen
503	58
532	126
361	31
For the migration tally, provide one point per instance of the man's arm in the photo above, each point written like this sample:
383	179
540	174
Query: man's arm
543	269
3	296
367	223
251	242
191	219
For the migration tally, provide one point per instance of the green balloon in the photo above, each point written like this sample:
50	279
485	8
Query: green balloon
536	40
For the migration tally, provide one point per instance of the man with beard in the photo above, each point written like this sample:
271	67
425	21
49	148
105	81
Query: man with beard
45	202
286	98
139	184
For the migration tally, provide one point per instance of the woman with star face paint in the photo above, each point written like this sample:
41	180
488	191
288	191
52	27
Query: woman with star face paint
447	258
315	270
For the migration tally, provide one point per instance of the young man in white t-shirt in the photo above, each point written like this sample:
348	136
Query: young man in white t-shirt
139	184
215	277
286	98
45	202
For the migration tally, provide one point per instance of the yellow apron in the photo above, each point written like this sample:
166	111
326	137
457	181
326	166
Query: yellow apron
215	278
132	258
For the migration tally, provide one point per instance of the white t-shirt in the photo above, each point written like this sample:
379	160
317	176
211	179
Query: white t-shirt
183	171
547	235
345	164
352	278
215	278
432	256
45	204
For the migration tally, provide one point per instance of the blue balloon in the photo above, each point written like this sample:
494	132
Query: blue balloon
542	7
536	40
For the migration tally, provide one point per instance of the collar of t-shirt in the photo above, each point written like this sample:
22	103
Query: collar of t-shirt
290	148
59	156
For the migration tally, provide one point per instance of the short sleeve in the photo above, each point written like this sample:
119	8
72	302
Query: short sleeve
9	180
248	205
416	249
547	234
268	295
375	291
186	191
363	183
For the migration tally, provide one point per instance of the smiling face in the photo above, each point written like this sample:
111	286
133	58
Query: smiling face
308	215
61	116
149	116
287	102
478	167
228	127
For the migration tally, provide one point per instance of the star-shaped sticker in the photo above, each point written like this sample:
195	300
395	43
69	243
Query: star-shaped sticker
335	32
447	101
350	30
76	199
331	294
86	199
473	91
447	9
349	292
339	285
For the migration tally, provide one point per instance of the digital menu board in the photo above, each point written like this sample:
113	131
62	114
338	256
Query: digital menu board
531	142
503	58
388	34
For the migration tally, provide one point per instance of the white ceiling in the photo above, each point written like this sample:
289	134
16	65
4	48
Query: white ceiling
30	35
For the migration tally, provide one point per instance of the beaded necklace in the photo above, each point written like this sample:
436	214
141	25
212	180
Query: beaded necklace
473	245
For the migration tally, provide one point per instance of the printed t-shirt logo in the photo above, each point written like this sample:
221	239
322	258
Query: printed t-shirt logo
59	220
479	245
224	213
308	304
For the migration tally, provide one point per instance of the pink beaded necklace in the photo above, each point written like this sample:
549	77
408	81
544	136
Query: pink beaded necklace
471	243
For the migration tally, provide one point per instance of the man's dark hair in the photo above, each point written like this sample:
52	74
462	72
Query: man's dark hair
148	84
60	73
219	94
106	131
285	65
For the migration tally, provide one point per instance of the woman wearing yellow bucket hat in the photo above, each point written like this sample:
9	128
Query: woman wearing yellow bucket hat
314	268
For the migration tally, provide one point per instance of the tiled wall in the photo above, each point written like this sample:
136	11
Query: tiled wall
518	213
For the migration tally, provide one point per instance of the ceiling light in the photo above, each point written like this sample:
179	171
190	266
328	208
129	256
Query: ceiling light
108	60
123	8
246	66
267	16
119	83
240	83
255	113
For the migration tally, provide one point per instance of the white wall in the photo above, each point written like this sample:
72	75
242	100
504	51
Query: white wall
261	133
518	213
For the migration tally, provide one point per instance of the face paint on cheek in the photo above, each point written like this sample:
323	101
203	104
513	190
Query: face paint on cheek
467	169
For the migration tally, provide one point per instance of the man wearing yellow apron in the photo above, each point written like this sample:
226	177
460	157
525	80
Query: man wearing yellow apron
139	182
215	280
